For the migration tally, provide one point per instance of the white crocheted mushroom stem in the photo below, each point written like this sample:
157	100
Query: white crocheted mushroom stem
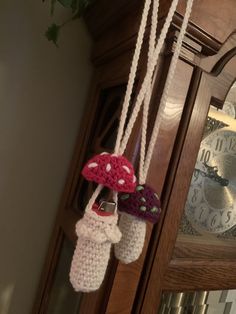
131	244
89	265
92	252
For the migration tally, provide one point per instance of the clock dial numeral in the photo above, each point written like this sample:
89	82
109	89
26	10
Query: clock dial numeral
211	206
195	196
195	175
219	144
201	214
205	155
232	144
213	221
227	217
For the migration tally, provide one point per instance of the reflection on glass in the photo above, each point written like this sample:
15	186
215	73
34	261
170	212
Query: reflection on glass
101	138
210	210
200	302
63	299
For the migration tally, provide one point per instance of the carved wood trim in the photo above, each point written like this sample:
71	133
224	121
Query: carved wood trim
188	273
208	26
218	61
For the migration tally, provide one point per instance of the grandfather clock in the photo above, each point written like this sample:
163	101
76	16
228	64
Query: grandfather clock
189	260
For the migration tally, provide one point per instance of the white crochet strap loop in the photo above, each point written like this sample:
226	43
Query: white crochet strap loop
148	77
152	44
132	74
128	93
115	197
165	94
145	91
95	194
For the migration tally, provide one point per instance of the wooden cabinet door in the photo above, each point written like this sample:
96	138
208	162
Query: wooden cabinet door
128	277
137	287
195	262
97	134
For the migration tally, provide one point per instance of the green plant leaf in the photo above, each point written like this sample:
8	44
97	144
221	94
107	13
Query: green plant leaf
52	33
78	8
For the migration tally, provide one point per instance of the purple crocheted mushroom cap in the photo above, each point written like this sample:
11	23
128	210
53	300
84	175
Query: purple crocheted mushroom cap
112	171
144	203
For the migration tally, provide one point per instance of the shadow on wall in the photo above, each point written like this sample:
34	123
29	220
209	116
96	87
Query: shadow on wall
42	94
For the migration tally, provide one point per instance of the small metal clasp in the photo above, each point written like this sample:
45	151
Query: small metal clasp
108	207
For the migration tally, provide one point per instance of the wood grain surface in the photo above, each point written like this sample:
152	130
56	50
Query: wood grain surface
113	25
171	272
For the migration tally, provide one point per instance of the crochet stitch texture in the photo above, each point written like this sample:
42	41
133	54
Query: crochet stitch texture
135	209
95	235
144	203
112	171
133	232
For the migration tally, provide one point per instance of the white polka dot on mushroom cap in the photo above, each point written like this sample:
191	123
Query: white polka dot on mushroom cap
134	179
121	181
92	165
126	169
108	167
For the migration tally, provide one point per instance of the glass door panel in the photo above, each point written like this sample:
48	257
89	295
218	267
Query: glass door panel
208	226
200	302
63	299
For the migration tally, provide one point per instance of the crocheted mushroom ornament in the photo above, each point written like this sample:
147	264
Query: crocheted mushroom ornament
135	209
112	171
96	232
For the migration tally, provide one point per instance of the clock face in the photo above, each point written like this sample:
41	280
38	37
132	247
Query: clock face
229	109
211	203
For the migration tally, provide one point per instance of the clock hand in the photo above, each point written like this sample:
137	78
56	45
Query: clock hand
212	173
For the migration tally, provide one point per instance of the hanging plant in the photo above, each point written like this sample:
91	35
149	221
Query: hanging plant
77	7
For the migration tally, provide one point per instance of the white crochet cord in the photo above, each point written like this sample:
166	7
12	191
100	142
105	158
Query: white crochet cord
132	75
133	229
129	89
148	77
94	196
152	44
165	94
96	233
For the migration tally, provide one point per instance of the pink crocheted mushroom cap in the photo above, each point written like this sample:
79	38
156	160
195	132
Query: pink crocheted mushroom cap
112	171
144	203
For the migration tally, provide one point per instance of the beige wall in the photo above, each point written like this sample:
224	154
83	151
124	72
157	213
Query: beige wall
42	93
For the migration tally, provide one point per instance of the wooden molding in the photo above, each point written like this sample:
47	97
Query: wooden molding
168	272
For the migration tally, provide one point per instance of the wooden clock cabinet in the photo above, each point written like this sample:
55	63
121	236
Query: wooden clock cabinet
170	268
